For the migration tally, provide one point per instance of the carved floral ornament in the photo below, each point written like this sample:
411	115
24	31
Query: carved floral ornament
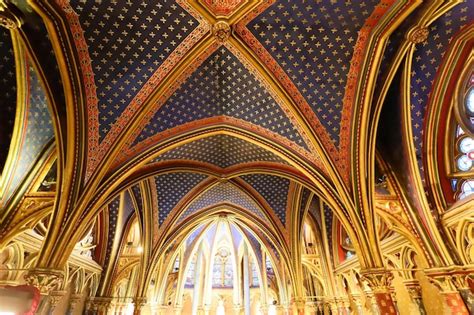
418	35
221	31
379	281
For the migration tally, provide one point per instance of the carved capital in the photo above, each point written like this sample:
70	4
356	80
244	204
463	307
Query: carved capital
45	280
418	35
449	280
299	303
139	302
379	280
444	283
413	287
74	301
99	303
10	15
55	297
221	31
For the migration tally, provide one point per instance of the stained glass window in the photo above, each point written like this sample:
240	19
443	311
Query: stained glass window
191	272
222	272
463	183
255	282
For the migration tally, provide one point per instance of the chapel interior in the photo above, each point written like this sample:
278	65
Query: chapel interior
237	157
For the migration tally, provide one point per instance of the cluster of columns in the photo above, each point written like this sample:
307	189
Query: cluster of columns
455	285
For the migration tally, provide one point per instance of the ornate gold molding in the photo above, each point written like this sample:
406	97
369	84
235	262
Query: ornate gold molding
10	16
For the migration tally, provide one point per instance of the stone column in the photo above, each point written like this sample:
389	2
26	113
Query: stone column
45	280
327	307
246	279
356	300
54	298
162	309
379	281
446	281
393	295
461	281
138	303
207	309
414	289
319	306
238	309
178	309
300	305
346	304
264	309
74	302
283	309
333	307
198	279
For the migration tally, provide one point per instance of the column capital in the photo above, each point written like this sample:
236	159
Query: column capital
74	300
300	303
357	298
378	279
99	303
413	287
45	280
55	297
450	279
139	301
238	309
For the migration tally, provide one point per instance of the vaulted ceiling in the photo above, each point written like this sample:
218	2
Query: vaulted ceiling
178	108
